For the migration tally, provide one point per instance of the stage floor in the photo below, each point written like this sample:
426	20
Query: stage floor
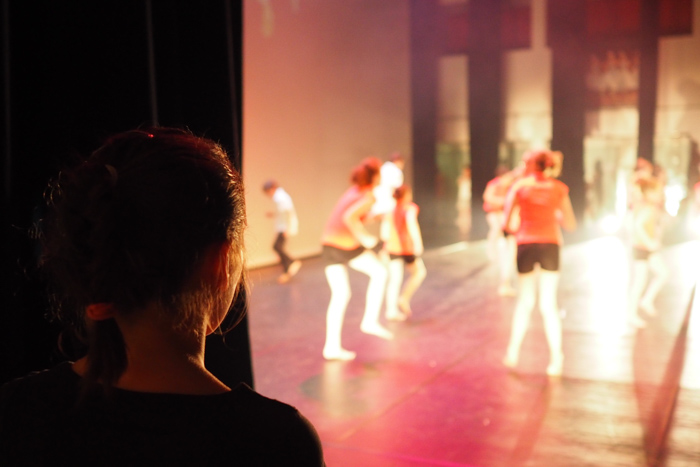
438	394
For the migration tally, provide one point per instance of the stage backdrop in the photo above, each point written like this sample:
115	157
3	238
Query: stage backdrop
326	83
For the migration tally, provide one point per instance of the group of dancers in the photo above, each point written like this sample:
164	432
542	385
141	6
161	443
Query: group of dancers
377	195
526	207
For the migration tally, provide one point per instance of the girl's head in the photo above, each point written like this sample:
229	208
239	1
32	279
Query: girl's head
403	194
131	226
539	160
366	174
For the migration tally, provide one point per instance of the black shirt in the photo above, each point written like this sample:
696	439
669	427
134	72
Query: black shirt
44	420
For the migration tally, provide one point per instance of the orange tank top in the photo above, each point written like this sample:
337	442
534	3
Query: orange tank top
400	241
539	206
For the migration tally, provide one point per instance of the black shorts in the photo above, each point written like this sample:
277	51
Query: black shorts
640	255
546	254
332	255
408	259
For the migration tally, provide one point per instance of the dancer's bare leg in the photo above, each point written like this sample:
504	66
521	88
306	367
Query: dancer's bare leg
494	220
659	275
418	273
393	289
509	252
639	281
521	316
339	282
549	308
368	263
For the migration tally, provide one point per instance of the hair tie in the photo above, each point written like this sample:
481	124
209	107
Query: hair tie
113	174
100	311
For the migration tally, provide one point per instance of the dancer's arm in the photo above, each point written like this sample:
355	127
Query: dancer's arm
568	219
353	220
491	196
511	204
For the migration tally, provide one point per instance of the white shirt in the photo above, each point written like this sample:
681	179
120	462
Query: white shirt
392	178
284	212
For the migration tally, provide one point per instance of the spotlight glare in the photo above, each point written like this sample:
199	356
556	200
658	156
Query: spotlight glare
609	224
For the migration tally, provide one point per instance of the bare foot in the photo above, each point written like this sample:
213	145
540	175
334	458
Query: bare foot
283	278
648	308
294	268
405	308
378	330
339	354
506	291
637	322
510	361
396	316
556	365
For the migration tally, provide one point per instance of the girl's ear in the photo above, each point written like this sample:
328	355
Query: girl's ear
216	266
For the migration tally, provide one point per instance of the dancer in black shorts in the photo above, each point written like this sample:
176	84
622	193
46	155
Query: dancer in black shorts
544	203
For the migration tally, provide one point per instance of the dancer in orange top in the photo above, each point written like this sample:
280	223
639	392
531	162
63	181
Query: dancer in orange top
544	205
405	245
346	242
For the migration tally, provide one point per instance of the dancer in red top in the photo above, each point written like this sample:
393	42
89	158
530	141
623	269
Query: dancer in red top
544	205
346	242
405	245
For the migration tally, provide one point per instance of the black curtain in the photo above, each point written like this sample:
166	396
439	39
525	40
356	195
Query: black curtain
75	72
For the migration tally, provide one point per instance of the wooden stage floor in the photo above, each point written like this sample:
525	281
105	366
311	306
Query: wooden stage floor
437	395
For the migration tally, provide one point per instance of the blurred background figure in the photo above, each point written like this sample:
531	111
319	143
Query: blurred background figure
405	246
501	244
464	201
544	205
346	242
286	225
391	178
648	219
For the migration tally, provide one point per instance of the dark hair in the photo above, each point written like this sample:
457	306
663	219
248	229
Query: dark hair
539	160
270	185
129	225
401	191
396	157
363	174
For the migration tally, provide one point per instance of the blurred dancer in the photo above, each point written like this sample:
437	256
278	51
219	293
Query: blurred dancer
464	201
405	245
501	242
647	219
346	242
391	178
286	225
544	204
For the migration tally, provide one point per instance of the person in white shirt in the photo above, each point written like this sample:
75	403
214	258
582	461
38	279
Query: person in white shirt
391	178
286	225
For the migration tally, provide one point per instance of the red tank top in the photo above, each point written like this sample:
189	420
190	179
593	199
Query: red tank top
540	199
336	233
